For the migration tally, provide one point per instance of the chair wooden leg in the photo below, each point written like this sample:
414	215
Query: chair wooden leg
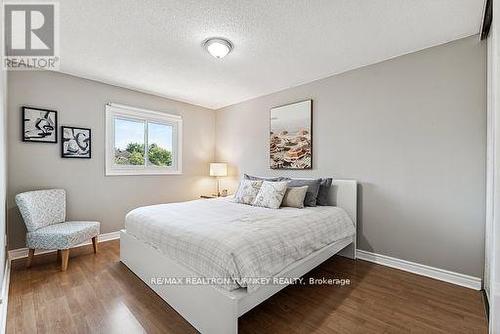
94	243
64	259
31	253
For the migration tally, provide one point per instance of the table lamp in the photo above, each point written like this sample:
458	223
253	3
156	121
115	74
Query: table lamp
218	169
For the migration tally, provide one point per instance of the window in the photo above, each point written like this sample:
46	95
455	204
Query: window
142	142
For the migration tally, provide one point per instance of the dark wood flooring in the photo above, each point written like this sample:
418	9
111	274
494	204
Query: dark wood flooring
98	294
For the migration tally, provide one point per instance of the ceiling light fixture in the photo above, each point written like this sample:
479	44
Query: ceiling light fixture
218	47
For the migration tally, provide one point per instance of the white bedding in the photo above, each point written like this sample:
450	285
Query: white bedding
218	238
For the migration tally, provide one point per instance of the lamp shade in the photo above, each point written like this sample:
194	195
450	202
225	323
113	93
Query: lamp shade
218	169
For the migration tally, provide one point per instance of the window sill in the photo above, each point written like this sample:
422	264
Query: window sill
142	172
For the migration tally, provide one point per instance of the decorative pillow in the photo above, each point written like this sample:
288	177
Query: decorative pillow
312	189
324	190
270	194
294	197
270	179
247	191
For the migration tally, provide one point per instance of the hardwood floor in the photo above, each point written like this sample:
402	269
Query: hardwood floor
98	294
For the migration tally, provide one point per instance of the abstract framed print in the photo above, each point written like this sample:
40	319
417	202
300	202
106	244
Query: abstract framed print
39	125
76	142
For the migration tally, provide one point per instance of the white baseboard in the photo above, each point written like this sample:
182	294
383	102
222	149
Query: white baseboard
4	297
20	253
108	236
420	269
412	267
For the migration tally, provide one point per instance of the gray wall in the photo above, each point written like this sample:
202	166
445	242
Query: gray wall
411	130
91	195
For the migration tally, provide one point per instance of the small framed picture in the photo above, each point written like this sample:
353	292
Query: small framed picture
39	125
76	142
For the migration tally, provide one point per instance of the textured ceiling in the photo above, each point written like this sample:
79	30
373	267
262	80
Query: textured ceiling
155	46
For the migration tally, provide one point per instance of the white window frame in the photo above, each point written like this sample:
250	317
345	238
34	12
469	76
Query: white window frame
114	111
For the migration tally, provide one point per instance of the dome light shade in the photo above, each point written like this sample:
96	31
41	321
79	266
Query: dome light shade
218	47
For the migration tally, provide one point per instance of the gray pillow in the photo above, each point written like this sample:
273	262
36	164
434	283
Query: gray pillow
324	190
312	189
294	197
260	178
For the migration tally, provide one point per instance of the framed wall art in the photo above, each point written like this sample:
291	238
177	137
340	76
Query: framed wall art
39	125
76	142
290	143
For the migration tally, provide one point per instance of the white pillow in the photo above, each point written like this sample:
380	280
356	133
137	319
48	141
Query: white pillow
247	191
270	194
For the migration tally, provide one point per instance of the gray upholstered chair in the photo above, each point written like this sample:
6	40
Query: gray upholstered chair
44	213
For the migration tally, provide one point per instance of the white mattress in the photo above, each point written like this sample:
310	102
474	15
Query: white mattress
220	239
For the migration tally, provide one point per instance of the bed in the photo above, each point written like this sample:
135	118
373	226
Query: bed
240	245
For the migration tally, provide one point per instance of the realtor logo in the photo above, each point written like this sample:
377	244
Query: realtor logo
31	36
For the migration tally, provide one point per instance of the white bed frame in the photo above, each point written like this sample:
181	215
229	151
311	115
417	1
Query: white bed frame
212	310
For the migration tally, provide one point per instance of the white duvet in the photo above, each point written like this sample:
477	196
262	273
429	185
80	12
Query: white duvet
221	239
